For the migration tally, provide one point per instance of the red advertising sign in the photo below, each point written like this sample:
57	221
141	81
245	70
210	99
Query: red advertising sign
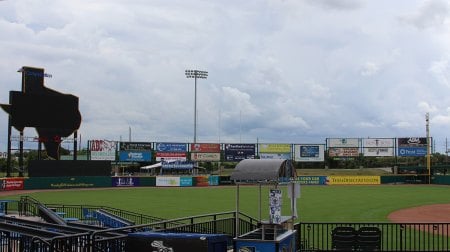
10	184
170	156
205	147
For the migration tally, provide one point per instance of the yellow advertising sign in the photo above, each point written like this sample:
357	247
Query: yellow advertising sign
353	180
274	148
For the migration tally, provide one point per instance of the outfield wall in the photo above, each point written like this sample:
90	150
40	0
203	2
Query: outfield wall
8	184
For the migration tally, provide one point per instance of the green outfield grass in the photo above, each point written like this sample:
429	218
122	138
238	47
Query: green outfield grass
317	203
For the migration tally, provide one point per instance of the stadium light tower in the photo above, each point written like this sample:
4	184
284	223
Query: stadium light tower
201	75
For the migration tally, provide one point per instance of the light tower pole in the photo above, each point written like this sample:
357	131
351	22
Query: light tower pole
201	75
427	128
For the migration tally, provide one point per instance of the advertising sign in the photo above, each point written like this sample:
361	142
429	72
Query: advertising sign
378	142
343	152
186	181
275	155
205	156
274	148
171	156
309	152
178	165
412	146
171	147
275	206
238	152
135	146
412	141
412	151
312	180
9	184
378	152
205	147
103	150
343	142
135	156
167	181
353	180
125	181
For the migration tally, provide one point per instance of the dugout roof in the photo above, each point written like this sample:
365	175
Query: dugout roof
264	170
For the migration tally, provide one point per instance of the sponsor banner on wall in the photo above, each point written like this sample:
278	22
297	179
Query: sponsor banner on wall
238	152
312	180
378	152
171	156
171	147
213	180
135	156
353	180
102	150
205	156
378	142
186	181
309	152
178	165
343	152
124	146
205	147
274	148
343	142
9	184
125	181
167	181
201	181
275	155
67	182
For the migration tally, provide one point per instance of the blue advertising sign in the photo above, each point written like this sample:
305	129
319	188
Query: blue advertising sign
171	147
135	156
238	152
412	151
309	151
125	181
213	180
186	181
180	165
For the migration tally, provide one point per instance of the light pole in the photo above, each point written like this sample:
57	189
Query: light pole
196	74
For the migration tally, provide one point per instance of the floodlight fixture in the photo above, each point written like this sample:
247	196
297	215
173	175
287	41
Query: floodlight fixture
195	74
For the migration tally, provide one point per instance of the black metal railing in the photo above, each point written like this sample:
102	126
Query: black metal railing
30	207
390	236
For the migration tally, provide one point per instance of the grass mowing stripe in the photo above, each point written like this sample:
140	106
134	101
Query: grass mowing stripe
317	203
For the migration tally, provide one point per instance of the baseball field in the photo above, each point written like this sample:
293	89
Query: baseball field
317	203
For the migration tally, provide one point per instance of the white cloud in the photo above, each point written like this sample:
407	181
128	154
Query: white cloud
279	70
426	108
441	70
402	125
369	69
432	13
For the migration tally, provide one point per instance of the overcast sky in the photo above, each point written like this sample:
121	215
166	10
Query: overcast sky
280	71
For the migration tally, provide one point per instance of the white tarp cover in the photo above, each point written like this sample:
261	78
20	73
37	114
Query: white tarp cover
263	170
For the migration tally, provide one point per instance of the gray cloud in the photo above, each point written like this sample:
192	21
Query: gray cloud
279	71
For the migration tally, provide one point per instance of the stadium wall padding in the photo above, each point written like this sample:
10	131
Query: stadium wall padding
66	182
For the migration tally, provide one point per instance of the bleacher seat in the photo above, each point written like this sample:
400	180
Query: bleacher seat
369	239
343	239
